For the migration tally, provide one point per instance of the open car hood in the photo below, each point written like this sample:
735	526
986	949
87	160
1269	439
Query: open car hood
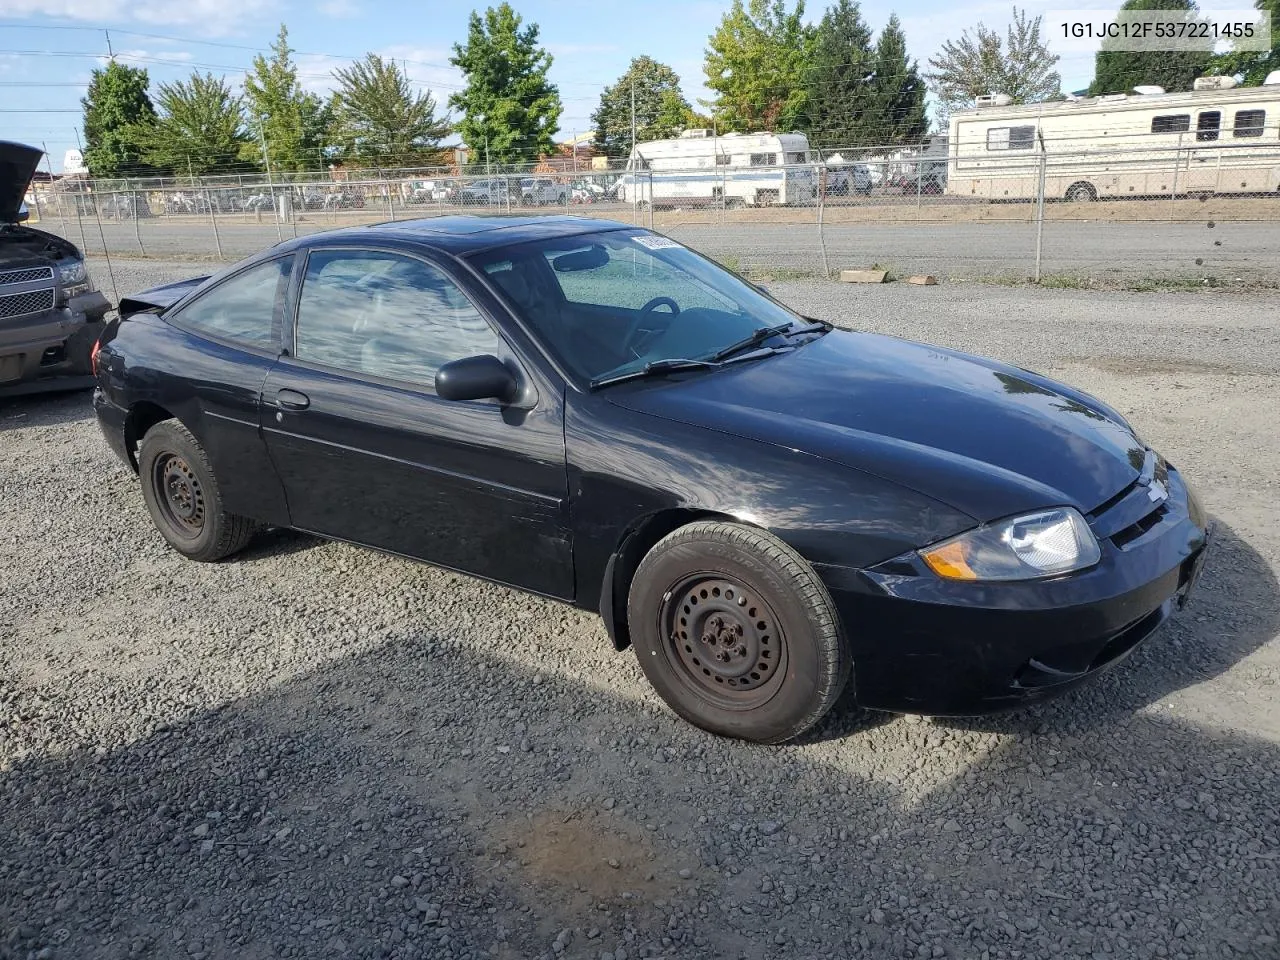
17	163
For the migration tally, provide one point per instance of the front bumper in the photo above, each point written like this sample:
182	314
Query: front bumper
921	644
52	344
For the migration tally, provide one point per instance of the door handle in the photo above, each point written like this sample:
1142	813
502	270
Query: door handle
292	400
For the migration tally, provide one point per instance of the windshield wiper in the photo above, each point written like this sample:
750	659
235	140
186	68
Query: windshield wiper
655	366
758	337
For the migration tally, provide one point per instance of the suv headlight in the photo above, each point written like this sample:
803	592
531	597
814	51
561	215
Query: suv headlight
1041	544
72	272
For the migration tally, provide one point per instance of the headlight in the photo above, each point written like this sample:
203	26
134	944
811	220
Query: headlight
1035	545
72	272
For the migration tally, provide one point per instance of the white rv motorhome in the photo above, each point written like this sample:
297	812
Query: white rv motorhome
699	168
1218	138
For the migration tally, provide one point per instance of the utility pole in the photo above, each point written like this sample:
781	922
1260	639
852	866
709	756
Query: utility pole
111	54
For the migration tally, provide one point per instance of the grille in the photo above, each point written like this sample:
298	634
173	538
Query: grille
1132	532
21	304
26	276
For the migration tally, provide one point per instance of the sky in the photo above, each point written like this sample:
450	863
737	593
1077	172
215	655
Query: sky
49	47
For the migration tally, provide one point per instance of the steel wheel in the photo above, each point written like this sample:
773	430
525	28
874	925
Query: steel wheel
724	641
182	500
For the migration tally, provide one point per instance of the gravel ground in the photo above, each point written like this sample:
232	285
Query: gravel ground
318	751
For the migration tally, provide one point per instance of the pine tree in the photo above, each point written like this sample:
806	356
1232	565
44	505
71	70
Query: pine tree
899	90
200	128
378	118
292	122
1119	71
841	80
660	108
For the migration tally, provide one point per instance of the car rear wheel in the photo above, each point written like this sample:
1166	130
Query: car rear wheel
182	495
736	632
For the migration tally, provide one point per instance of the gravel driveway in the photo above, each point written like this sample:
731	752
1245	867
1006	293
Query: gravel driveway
317	751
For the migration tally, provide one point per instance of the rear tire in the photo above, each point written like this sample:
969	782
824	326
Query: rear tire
1081	193
182	495
736	632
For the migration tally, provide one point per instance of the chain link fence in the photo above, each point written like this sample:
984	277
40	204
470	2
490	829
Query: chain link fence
1052	213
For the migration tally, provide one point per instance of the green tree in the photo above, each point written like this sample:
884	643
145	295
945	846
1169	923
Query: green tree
114	107
200	128
756	64
509	107
1252	66
1019	65
294	123
899	90
660	108
841	80
377	117
1119	71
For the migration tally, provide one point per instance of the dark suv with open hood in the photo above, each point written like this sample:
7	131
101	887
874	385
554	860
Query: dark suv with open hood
50	314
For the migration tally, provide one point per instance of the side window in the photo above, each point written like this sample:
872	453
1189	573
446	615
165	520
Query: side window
385	315
244	309
1171	123
764	159
1249	123
1011	138
1207	125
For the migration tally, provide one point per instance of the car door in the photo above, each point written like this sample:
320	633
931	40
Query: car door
230	337
368	452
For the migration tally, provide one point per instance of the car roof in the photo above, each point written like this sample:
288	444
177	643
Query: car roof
460	235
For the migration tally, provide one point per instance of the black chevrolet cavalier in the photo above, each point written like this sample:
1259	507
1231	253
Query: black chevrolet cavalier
765	507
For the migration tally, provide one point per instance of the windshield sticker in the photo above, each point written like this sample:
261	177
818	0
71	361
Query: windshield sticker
656	242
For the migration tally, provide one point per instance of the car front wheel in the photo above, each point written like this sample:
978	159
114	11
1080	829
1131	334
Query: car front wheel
736	632
182	495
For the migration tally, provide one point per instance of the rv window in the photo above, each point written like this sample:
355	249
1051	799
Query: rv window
764	159
1011	138
1171	123
1249	123
796	157
722	159
1207	125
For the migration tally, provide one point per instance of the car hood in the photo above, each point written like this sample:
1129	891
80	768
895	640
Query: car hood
981	436
17	163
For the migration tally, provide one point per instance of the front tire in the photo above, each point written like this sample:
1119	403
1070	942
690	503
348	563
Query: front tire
182	495
736	632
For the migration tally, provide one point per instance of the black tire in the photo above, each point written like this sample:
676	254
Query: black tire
1081	193
182	496
736	632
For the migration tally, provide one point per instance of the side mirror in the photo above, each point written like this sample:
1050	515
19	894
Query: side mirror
476	378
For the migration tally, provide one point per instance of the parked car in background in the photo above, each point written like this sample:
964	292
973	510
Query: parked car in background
586	191
541	191
476	192
767	507
432	191
123	206
50	313
343	200
848	180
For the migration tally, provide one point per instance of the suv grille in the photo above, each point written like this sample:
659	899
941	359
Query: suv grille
21	304
27	275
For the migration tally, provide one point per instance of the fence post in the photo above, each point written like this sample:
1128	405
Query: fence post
649	178
822	233
919	182
1044	159
1177	165
106	254
213	221
137	227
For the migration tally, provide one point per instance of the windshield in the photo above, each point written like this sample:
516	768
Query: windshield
611	302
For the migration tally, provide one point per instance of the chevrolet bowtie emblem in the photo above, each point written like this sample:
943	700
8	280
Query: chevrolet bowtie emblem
1157	491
